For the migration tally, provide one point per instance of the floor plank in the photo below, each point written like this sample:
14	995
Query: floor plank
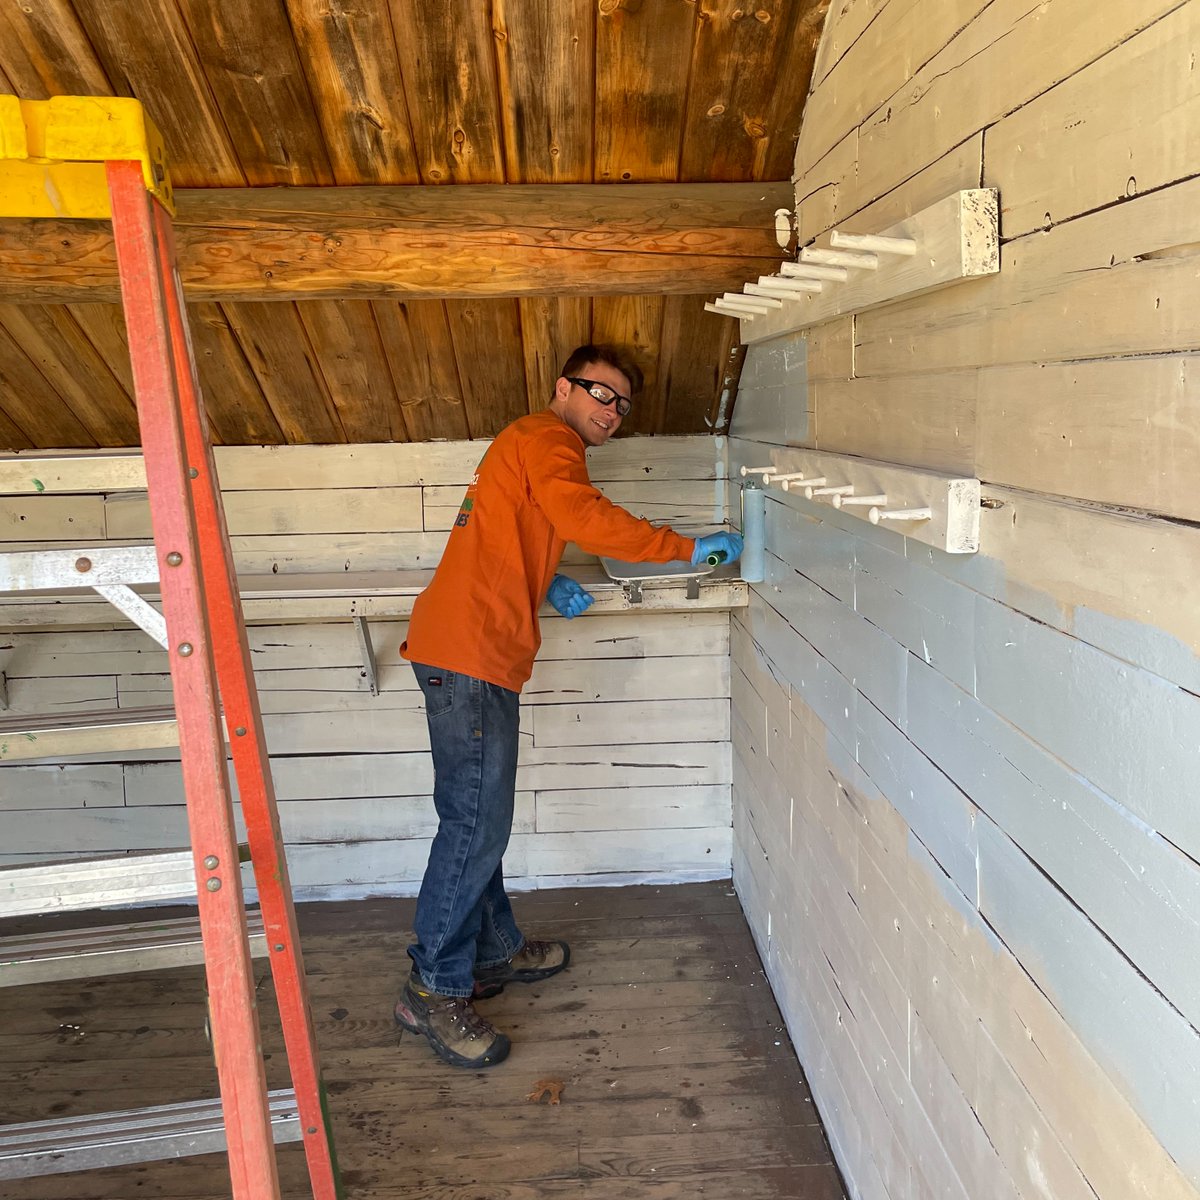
679	1079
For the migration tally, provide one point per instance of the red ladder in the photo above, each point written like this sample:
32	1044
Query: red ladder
93	145
210	664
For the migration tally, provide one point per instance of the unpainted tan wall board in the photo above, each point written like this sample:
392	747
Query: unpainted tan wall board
844	24
959	168
1118	282
1121	431
827	191
323	510
831	351
1122	126
873	74
918	420
1008	55
828	195
1096	566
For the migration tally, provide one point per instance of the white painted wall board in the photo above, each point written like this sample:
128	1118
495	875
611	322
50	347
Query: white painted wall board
626	808
812	677
668	764
782	409
59	787
686	677
1134	735
859	651
634	722
318	777
682	850
1148	1049
32	695
1021	1132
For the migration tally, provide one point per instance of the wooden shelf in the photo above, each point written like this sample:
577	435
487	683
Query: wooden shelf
286	599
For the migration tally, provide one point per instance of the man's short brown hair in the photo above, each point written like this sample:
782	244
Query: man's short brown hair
612	356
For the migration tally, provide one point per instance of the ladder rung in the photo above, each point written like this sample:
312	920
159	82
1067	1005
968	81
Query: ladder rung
111	950
75	885
133	1136
98	732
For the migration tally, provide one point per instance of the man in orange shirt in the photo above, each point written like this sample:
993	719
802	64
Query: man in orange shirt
472	641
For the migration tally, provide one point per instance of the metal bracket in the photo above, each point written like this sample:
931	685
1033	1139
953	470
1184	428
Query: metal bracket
634	591
143	615
693	587
368	654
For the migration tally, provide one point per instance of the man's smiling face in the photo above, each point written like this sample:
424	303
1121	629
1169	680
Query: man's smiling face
593	421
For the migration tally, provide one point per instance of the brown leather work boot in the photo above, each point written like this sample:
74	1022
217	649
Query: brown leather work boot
453	1028
533	962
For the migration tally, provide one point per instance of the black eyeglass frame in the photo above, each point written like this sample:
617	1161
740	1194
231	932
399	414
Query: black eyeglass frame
623	403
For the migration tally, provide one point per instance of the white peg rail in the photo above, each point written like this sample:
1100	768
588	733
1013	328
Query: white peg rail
940	510
956	238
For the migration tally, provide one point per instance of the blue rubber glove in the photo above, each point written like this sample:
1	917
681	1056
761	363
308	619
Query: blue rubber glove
728	544
568	597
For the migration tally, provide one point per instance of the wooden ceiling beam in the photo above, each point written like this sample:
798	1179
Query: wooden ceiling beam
459	242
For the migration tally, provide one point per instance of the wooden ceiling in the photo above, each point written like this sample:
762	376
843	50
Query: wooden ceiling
384	329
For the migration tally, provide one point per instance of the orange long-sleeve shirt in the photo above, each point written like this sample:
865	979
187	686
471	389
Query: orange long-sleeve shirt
530	496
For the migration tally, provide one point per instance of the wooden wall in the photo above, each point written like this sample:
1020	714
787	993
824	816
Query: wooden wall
625	760
966	828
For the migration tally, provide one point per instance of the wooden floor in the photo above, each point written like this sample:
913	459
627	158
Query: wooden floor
679	1080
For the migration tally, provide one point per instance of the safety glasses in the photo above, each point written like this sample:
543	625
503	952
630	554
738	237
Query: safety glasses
602	394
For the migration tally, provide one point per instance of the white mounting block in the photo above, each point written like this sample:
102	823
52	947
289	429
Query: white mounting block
957	238
940	510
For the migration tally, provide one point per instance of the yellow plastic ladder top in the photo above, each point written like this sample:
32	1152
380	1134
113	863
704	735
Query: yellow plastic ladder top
52	154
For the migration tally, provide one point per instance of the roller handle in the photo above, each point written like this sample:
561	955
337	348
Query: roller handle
716	558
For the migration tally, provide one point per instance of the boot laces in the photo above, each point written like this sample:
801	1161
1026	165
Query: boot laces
465	1019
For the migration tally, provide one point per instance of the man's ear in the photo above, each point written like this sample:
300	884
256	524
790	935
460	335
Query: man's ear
562	389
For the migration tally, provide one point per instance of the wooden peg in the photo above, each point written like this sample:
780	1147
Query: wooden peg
859	259
842	501
900	514
873	242
723	310
806	270
754	303
790	284
815	481
776	295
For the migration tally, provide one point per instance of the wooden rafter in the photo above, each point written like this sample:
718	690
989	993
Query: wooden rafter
424	243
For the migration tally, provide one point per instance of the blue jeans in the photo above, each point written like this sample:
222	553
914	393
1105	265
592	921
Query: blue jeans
464	918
